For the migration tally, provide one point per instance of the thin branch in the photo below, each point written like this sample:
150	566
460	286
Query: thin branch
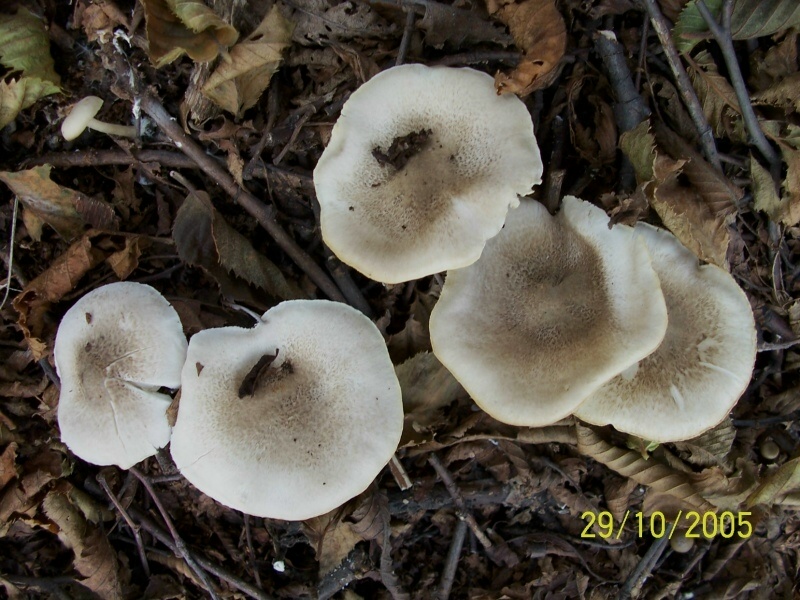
406	41
180	545
722	33
264	214
11	252
451	564
131	525
644	568
662	28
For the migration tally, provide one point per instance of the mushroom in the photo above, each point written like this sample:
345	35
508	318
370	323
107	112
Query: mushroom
81	116
291	418
703	365
554	307
114	349
421	169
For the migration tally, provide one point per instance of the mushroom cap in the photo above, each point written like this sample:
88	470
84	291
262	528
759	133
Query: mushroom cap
79	116
703	365
323	419
114	349
554	307
437	211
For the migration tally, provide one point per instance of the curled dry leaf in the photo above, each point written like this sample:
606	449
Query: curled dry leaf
175	27
699	213
94	558
540	32
457	27
781	486
650	472
64	209
238	83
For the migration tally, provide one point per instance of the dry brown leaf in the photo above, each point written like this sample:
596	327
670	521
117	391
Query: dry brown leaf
539	31
715	93
175	27
65	210
617	491
95	560
427	389
238	82
651	472
8	464
457	27
205	239
59	279
711	447
332	539
781	486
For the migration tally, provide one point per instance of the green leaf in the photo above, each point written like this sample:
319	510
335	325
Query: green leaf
639	145
750	19
25	46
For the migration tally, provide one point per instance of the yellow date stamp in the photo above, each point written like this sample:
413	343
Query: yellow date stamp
691	524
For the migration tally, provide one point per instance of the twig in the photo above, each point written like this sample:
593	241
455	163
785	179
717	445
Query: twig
150	526
11	252
767	421
470	58
180	545
250	550
93	158
352	568
629	108
722	33
685	88
131	525
406	41
345	282
265	215
400	475
451	564
644	568
458	500
770	346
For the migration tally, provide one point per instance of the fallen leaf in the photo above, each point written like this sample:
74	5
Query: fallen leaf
781	486
205	239
64	209
95	560
175	27
539	31
239	81
332	539
710	448
17	95
457	27
750	19
428	387
8	464
63	275
319	22
715	93
766	198
651	472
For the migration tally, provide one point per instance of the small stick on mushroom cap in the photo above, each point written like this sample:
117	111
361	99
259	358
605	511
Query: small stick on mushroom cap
81	116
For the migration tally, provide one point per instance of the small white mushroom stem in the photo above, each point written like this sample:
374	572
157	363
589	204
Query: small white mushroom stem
112	129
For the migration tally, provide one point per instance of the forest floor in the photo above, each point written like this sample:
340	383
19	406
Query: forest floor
217	208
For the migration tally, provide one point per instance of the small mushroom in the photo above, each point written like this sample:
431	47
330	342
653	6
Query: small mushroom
703	365
555	307
421	169
114	349
81	117
291	418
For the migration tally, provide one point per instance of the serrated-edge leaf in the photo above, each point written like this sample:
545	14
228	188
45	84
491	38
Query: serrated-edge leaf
639	145
715	93
757	18
25	46
650	472
691	29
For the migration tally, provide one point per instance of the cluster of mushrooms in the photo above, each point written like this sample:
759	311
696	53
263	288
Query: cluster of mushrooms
540	316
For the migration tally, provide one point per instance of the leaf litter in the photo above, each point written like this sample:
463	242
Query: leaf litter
101	212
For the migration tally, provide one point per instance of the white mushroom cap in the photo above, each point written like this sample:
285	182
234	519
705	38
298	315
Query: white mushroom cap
554	307
79	116
311	432
114	349
438	210
694	378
